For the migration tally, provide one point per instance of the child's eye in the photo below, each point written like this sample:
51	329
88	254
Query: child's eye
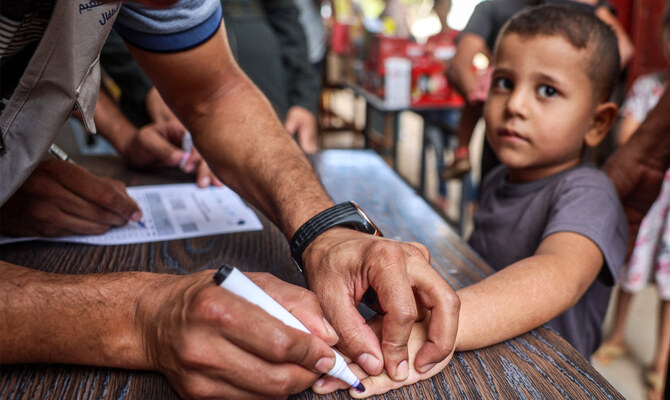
502	83
547	91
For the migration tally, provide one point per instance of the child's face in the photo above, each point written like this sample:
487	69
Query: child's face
540	106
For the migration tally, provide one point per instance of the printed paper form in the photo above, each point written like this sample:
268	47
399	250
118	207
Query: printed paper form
174	212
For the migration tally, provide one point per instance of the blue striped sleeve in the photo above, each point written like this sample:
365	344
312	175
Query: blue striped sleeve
186	24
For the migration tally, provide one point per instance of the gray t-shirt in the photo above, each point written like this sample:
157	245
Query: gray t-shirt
512	220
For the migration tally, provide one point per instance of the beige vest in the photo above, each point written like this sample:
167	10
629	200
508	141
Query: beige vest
63	74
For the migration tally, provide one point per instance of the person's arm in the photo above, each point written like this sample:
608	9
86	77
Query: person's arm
510	302
302	80
528	293
637	168
246	146
460	72
186	327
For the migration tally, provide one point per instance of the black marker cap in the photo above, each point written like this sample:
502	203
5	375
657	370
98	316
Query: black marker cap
222	273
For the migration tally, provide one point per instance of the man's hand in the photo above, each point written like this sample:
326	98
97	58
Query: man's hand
382	383
301	122
160	144
340	265
60	198
211	343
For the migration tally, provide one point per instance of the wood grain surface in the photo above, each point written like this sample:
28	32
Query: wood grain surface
537	365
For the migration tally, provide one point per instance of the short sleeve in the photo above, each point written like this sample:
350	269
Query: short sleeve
480	22
186	24
588	205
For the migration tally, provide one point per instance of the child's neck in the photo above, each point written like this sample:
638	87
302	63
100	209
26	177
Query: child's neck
531	174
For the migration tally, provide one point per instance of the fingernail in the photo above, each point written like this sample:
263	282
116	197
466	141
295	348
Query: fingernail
136	216
320	382
324	364
369	362
402	372
329	328
205	181
426	368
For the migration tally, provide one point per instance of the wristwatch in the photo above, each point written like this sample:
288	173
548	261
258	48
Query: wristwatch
346	214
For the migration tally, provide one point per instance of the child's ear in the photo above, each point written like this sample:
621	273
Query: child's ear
603	119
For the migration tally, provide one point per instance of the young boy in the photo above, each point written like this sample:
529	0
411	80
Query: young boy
551	226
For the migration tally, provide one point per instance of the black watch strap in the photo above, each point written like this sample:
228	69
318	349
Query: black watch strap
346	214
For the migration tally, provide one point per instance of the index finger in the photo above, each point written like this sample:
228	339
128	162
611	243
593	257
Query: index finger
389	278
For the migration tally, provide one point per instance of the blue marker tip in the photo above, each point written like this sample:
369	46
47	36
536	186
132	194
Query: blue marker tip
359	387
140	223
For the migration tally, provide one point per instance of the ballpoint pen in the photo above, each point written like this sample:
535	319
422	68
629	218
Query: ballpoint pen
60	153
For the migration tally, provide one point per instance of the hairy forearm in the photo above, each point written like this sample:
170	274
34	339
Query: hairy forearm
236	130
266	166
77	319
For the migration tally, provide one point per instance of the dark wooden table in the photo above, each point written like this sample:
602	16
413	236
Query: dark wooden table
537	365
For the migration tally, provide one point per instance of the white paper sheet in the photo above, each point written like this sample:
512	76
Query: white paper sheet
173	212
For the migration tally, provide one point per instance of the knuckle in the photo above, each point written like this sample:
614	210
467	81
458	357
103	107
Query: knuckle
107	196
394	347
193	388
418	249
348	336
282	345
406	314
385	250
42	214
282	382
307	297
205	307
190	354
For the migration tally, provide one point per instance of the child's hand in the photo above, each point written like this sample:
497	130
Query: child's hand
383	383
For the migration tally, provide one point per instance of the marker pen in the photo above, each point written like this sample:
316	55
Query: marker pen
233	280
